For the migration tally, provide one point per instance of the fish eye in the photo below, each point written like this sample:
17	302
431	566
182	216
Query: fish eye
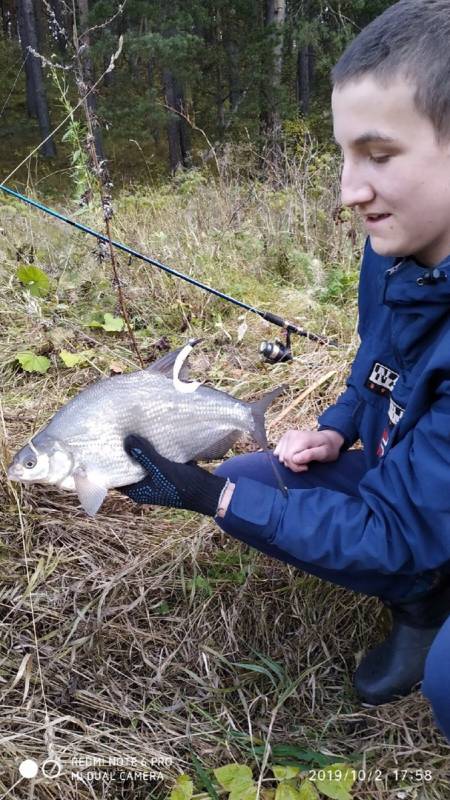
30	463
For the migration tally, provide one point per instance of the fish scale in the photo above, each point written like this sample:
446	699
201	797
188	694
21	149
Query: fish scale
81	448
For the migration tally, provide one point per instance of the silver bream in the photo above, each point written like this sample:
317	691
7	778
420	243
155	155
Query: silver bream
81	448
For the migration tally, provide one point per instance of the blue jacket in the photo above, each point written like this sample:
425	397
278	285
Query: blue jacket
397	402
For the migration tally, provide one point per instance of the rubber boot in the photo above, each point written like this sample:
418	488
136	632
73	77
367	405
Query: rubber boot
396	666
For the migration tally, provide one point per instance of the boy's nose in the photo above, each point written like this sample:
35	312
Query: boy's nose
355	189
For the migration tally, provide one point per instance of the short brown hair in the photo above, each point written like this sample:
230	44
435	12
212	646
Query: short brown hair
411	39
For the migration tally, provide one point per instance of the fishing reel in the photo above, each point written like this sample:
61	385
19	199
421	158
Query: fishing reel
277	351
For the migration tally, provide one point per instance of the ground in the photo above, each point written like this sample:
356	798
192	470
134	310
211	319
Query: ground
146	639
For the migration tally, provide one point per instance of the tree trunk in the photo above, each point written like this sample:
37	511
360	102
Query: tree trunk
88	80
58	24
154	127
29	87
177	133
40	32
305	77
233	74
36	96
303	90
275	18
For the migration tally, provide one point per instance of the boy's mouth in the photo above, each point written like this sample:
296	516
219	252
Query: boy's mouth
374	218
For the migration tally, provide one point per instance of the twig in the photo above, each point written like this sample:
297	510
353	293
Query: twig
301	397
104	184
195	127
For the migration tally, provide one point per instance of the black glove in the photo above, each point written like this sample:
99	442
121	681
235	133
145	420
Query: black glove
171	484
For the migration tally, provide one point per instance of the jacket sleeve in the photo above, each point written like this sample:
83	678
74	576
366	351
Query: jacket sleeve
340	417
400	523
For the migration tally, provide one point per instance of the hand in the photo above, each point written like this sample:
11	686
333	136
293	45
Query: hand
297	448
171	484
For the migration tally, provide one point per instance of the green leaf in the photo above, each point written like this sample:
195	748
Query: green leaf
183	789
338	780
75	359
202	776
256	668
96	321
31	362
307	791
244	793
106	321
34	279
285	773
112	323
291	752
285	791
234	776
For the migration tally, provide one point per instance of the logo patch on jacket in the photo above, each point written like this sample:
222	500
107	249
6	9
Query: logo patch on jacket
383	443
381	379
395	412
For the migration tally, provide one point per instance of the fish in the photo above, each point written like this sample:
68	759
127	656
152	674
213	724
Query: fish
81	448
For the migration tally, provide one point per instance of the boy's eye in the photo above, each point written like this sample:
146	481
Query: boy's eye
379	159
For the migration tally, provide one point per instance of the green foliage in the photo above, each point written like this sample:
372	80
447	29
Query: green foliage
335	781
34	279
74	136
199	584
341	286
183	789
307	791
75	359
31	362
107	322
283	773
237	779
286	791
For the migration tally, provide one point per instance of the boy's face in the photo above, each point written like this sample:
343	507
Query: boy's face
395	173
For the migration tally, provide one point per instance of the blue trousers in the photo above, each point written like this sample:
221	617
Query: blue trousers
344	475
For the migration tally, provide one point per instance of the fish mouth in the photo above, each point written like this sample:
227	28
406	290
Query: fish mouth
13	473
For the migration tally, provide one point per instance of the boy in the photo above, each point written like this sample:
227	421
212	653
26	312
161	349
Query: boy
378	520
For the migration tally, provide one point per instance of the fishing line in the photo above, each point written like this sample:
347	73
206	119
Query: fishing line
269	316
109	68
13	86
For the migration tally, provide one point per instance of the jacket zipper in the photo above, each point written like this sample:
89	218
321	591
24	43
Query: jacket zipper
395	268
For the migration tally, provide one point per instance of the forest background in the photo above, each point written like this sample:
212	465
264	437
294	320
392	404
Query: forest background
233	69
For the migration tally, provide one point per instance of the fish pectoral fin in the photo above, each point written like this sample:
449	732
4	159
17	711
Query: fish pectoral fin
90	492
218	448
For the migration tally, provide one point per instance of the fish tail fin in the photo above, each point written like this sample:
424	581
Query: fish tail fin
259	408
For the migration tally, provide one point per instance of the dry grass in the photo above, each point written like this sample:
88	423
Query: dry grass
150	634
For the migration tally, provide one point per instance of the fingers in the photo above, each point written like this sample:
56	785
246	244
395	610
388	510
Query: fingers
133	490
141	450
294	441
296	449
133	442
311	454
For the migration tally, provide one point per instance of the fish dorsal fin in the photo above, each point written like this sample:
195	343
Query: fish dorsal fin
165	364
89	490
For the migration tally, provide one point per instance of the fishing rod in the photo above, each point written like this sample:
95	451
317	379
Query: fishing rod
274	352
